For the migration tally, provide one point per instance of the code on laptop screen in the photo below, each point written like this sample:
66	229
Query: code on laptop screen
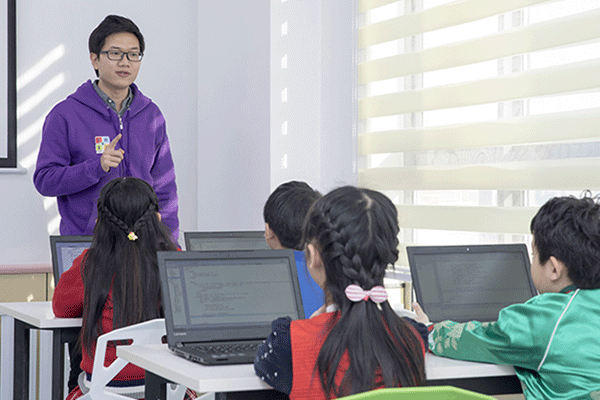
213	292
67	252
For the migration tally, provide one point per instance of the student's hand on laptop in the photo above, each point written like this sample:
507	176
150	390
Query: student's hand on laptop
421	316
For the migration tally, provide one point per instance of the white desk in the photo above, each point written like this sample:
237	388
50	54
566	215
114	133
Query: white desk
485	378
17	320
159	360
162	365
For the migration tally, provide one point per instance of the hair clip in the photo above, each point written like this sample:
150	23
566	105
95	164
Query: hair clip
132	236
377	294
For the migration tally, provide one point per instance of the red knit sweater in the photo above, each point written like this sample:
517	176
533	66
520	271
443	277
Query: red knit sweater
67	302
307	338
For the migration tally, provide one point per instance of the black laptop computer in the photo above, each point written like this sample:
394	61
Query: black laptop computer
64	250
464	283
219	305
225	240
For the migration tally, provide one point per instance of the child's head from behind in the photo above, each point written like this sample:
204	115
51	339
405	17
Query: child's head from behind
568	229
122	259
355	232
127	209
351	237
284	214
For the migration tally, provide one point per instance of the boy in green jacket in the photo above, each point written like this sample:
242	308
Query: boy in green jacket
552	340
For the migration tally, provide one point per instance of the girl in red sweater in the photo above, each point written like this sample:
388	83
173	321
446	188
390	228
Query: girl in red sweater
115	283
356	342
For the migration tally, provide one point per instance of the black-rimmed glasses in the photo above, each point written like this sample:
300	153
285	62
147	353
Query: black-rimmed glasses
116	55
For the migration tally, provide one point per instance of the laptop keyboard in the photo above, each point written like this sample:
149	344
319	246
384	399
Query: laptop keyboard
228	349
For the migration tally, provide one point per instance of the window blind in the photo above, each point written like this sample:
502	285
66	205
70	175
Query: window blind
473	113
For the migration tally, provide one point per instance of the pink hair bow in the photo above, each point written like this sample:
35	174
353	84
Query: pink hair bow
377	294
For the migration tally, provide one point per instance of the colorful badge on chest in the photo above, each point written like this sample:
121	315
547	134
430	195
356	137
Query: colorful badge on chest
101	142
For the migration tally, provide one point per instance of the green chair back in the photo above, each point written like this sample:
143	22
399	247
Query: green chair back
418	393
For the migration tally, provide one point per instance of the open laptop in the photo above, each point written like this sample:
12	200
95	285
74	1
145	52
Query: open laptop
464	283
226	240
219	305
64	250
312	294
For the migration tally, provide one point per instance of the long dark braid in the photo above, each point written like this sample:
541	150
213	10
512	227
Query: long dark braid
122	258
143	219
356	233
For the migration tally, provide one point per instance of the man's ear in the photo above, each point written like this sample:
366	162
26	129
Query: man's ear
159	216
94	60
557	270
269	234
271	238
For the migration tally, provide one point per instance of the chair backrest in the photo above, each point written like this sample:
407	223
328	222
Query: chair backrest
417	393
148	332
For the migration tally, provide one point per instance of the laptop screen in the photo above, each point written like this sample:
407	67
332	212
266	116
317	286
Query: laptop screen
228	295
464	283
216	241
64	250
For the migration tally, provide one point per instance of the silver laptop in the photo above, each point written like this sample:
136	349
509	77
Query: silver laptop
464	283
65	249
225	240
219	305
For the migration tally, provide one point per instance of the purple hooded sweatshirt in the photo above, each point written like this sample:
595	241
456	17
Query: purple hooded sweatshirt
68	164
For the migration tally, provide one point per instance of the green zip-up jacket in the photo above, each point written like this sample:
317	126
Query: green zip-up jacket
552	340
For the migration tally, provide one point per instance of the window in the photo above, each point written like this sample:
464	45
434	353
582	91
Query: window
473	113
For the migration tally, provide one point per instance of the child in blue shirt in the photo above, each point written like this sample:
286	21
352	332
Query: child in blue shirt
284	214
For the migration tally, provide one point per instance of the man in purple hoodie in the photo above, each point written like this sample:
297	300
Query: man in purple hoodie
106	129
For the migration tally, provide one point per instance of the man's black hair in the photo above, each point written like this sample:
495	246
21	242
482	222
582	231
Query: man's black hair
285	211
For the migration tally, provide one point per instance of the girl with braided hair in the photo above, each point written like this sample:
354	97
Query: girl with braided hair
115	283
356	342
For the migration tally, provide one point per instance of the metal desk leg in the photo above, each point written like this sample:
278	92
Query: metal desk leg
59	338
21	361
46	364
7	362
58	372
156	387
33	353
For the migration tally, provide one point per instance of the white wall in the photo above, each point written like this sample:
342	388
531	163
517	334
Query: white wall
233	114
